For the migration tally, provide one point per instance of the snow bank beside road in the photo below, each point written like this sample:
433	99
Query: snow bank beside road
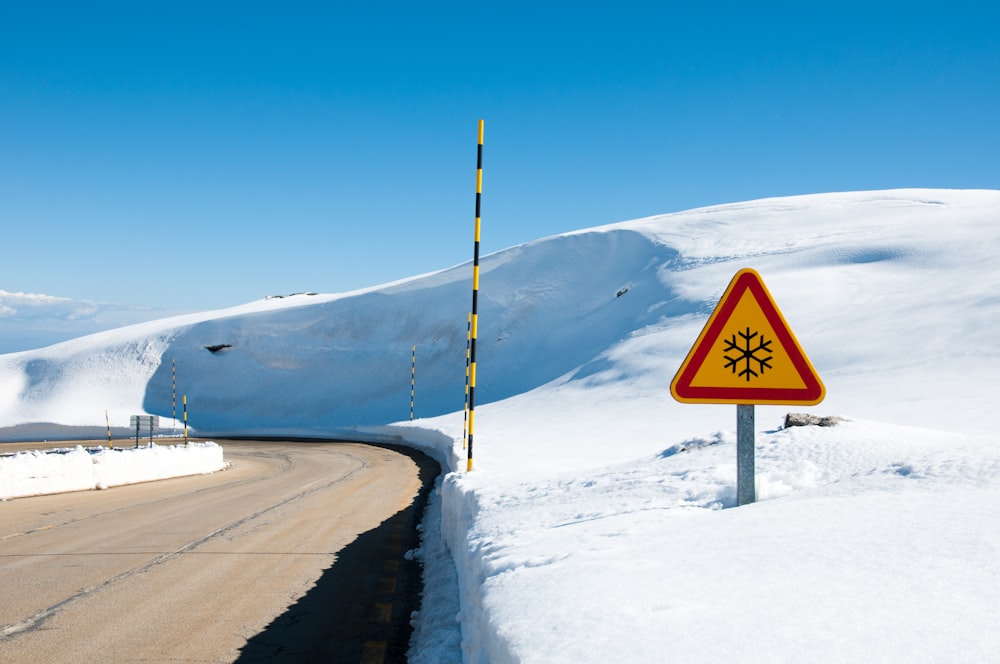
40	472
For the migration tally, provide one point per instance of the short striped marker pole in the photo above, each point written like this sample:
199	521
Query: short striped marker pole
185	420
413	377
474	322
108	421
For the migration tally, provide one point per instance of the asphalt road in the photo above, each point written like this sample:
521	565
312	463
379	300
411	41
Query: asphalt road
294	554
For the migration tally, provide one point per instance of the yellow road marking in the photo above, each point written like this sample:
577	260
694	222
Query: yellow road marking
382	613
38	529
373	652
387	585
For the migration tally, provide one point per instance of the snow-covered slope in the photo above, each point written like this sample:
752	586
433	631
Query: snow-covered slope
891	293
571	538
319	362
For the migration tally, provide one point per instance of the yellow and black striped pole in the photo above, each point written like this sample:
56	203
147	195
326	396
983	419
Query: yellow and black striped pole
173	388
474	322
107	420
413	377
465	422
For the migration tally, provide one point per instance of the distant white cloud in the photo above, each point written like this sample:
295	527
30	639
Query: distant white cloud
36	306
33	320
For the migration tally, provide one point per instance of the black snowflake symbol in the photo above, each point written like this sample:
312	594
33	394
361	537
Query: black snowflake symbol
748	357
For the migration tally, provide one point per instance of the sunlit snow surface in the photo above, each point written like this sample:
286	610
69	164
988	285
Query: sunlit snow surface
600	522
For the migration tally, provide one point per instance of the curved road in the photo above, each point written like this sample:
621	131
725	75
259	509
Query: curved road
233	566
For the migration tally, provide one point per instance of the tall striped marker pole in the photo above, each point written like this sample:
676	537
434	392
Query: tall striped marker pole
474	322
465	419
413	377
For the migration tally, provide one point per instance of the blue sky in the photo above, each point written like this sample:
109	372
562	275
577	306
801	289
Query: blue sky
169	157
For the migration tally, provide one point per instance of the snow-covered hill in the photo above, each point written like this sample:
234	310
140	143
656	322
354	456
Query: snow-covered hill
892	294
596	526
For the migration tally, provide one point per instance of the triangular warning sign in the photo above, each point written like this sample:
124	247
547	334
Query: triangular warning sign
747	354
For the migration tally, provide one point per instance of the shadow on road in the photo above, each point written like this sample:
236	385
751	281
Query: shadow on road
359	610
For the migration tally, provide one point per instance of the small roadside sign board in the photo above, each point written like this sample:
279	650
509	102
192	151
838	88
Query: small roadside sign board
145	420
747	354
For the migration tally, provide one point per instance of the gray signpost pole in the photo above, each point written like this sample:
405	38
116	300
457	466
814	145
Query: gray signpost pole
745	472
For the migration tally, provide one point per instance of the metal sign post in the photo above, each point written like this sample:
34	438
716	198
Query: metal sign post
137	420
745	490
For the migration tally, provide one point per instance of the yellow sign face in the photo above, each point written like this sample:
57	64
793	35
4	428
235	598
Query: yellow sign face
747	354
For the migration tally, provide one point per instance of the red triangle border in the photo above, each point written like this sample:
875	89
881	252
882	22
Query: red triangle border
747	280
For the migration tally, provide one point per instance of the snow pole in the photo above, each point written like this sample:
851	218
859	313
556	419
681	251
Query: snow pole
173	388
107	420
413	377
474	320
185	420
465	417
